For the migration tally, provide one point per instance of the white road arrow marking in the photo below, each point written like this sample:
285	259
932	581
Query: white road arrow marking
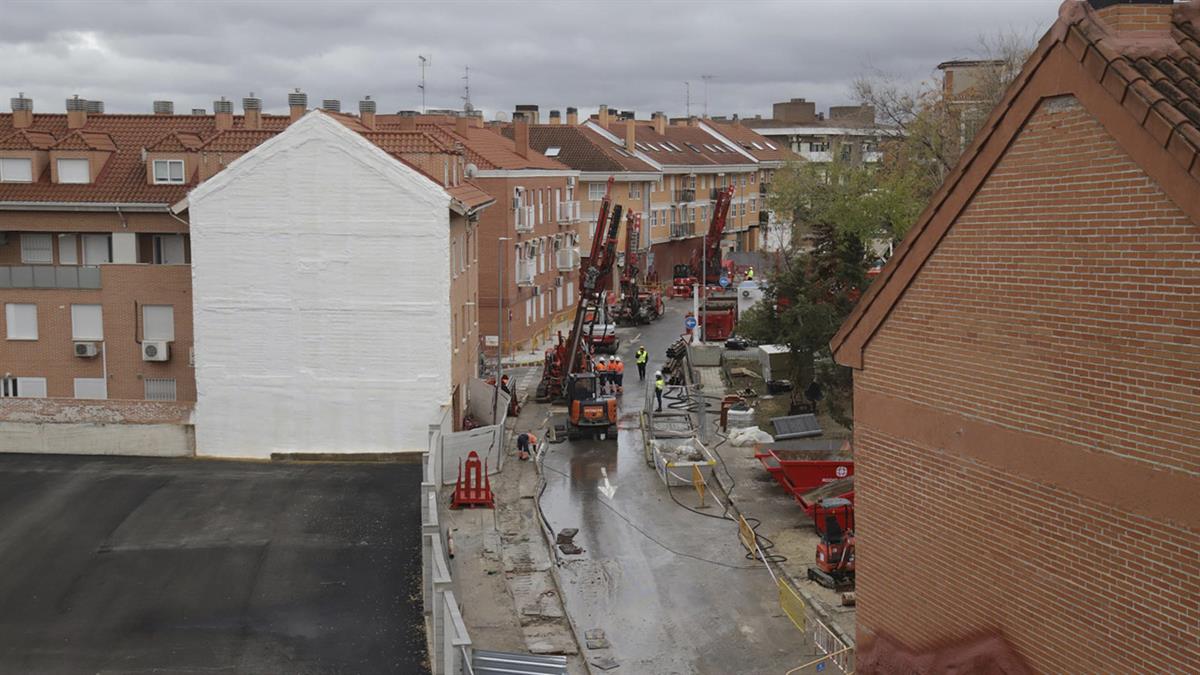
608	489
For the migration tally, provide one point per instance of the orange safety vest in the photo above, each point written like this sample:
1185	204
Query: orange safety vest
601	367
619	367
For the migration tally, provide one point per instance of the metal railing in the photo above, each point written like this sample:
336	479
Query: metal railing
526	271
450	644
523	218
682	230
566	259
568	212
685	195
49	276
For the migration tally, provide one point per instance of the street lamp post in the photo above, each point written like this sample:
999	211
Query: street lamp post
501	263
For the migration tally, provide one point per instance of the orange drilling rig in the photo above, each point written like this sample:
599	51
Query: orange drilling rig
638	304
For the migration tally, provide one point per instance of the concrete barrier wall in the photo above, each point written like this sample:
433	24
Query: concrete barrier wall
148	440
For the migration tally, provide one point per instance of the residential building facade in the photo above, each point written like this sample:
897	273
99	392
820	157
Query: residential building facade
1028	475
848	133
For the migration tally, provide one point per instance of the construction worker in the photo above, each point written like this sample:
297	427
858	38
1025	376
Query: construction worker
750	273
619	374
641	356
601	376
659	384
524	442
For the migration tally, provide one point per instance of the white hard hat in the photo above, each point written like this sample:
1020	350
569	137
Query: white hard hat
658	372
601	358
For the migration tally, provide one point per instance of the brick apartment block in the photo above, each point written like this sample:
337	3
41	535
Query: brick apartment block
1027	385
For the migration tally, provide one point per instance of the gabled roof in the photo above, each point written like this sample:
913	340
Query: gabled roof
27	140
582	149
1142	89
86	140
176	141
485	148
763	149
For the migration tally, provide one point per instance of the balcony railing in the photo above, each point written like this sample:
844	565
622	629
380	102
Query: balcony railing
872	156
817	156
681	230
686	195
524	218
764	217
566	259
568	212
49	276
526	272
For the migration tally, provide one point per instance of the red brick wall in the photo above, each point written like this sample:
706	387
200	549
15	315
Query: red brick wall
1064	305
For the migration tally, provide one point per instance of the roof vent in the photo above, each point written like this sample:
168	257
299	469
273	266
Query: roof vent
331	104
298	98
164	108
199	111
366	105
95	107
76	104
251	102
223	106
21	103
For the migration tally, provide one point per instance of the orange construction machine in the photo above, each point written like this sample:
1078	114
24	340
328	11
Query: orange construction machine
639	304
568	374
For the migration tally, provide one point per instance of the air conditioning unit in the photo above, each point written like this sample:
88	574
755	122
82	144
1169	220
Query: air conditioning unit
570	181
156	350
86	350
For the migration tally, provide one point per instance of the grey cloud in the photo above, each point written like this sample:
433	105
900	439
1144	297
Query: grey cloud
631	55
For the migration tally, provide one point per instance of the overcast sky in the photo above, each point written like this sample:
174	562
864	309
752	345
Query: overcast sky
631	55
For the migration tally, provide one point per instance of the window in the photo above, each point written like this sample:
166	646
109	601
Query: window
814	146
847	149
635	189
453	258
74	171
596	191
15	170
159	388
168	249
91	387
87	322
553	151
23	387
21	321
168	171
67	253
37	249
97	249
158	322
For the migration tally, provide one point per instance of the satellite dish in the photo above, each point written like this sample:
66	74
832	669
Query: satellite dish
472	170
501	116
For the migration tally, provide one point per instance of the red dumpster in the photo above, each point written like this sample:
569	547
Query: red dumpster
800	470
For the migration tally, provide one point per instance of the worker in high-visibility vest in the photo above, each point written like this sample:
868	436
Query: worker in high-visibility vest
659	384
641	356
750	273
601	375
618	374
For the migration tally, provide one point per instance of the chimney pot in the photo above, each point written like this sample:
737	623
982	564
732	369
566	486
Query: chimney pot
408	120
555	117
297	104
223	114
521	134
199	111
331	104
252	116
76	112
602	116
252	102
630	135
572	116
531	112
1135	17
22	109
95	107
164	108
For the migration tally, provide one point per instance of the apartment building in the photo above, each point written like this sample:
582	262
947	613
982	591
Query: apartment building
847	133
96	269
1026	374
530	232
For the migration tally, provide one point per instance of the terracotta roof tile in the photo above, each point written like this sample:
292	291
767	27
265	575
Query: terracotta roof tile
27	140
747	138
582	149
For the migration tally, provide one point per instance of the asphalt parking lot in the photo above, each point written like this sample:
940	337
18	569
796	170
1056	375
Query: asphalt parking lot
130	565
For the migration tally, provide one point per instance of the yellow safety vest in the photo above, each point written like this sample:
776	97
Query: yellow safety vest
642	356
659	383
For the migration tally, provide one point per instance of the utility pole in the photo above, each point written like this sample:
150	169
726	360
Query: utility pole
687	97
502	259
706	79
423	61
467	107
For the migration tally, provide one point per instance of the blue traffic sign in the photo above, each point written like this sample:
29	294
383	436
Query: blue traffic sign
690	322
724	282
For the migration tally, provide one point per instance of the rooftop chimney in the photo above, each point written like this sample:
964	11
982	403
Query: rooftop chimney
660	122
22	108
223	114
573	116
603	116
366	111
630	138
1134	17
408	120
252	107
461	124
76	112
627	115
164	108
297	104
199	111
531	112
521	134
555	117
95	107
331	104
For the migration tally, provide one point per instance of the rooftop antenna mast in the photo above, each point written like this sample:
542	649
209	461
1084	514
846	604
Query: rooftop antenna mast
706	79
687	97
467	107
424	61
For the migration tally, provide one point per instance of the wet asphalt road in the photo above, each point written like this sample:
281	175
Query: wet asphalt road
672	590
133	565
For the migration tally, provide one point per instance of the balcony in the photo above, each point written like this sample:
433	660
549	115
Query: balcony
816	156
523	216
764	218
683	230
687	195
49	276
871	156
566	259
568	212
526	271
763	188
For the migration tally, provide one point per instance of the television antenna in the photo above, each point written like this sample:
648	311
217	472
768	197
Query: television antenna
707	79
424	62
467	107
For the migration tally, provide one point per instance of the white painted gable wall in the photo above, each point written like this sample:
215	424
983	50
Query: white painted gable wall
321	281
